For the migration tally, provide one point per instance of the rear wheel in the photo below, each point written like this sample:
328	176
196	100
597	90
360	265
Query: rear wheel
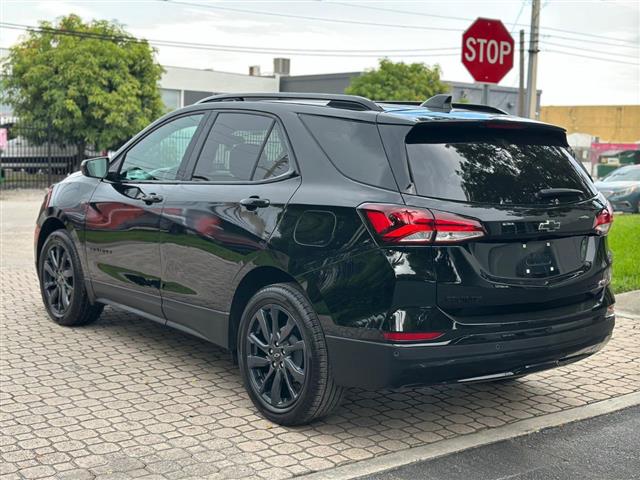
283	357
62	282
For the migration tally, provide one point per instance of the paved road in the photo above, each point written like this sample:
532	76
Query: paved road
605	447
127	398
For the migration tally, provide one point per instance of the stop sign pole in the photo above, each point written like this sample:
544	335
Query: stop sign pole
487	52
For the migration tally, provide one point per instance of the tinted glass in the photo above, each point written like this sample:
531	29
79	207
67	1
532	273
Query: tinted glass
494	168
274	159
231	150
158	155
354	148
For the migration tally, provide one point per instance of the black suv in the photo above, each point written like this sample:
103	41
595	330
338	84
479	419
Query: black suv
332	242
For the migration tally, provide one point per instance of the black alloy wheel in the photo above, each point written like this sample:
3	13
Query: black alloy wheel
276	356
57	279
283	357
62	282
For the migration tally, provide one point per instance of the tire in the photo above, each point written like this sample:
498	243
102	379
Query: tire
297	355
59	269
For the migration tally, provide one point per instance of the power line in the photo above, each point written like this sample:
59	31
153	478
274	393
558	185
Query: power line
583	40
367	53
468	19
392	25
318	19
602	52
427	52
515	23
592	57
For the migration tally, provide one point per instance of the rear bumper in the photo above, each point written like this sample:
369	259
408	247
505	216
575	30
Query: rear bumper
367	364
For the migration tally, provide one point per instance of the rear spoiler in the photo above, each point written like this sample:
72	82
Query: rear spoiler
467	131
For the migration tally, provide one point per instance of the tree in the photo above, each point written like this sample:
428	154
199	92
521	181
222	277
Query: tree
398	81
93	83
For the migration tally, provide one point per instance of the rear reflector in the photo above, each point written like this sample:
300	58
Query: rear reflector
411	336
603	221
401	224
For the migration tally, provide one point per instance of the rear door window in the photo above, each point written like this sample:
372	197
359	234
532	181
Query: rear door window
233	145
354	148
493	165
274	159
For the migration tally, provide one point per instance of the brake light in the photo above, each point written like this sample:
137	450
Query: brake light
400	224
603	221
411	336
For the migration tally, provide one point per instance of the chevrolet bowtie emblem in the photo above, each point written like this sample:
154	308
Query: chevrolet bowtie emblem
549	226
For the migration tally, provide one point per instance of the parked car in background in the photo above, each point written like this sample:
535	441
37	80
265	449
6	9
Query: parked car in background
329	241
622	188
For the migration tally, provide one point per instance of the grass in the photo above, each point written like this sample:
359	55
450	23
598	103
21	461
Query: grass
624	242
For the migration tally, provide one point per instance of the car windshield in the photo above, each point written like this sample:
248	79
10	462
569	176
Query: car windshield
624	175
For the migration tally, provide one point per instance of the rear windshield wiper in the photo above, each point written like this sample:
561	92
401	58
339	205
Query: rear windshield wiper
559	192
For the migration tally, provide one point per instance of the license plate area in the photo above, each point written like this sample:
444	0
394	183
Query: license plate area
534	259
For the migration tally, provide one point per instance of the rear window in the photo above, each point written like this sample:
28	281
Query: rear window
481	164
354	148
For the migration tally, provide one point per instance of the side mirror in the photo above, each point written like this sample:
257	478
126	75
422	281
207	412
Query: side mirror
95	167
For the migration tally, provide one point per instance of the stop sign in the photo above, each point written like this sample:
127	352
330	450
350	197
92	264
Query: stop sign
487	50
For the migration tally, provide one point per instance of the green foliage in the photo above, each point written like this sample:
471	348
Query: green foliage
623	242
94	90
398	81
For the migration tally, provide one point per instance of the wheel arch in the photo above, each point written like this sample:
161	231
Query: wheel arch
49	226
253	281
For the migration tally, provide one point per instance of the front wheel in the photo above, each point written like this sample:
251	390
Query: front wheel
62	282
283	357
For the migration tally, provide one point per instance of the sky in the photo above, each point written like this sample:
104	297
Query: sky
590	50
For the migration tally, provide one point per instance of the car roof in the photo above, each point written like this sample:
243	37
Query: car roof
359	108
418	114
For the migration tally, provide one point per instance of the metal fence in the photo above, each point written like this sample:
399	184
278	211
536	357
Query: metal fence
29	159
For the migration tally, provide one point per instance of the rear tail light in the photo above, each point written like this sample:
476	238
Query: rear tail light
401	224
411	336
603	221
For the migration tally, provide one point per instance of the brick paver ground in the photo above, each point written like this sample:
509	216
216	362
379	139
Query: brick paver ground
127	398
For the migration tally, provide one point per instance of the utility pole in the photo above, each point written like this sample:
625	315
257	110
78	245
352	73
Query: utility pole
521	97
532	96
485	94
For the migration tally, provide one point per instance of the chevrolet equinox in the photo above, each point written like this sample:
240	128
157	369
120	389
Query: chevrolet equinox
329	241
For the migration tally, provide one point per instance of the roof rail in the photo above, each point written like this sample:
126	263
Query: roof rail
443	103
348	102
399	102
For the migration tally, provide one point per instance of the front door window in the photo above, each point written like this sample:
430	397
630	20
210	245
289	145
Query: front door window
158	156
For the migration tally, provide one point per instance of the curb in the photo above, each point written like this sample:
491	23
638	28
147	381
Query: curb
484	437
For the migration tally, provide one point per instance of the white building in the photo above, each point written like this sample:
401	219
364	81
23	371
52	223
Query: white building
181	86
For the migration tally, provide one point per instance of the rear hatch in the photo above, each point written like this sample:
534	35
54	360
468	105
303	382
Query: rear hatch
539	250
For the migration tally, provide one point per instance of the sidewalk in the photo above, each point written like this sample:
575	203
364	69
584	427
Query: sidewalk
628	303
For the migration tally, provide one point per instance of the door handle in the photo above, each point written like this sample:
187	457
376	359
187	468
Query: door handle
150	198
254	202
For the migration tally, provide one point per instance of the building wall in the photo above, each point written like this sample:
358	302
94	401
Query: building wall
322	83
184	86
505	98
610	123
